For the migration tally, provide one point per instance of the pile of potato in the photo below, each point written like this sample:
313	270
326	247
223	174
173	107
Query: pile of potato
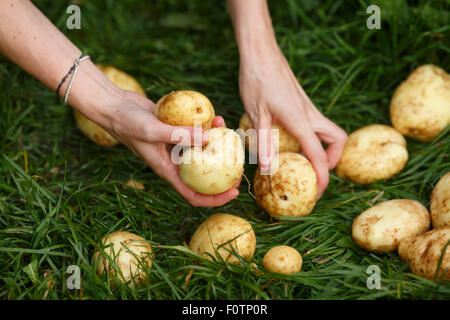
420	109
210	169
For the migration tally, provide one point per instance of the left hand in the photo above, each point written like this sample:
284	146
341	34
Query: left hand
130	120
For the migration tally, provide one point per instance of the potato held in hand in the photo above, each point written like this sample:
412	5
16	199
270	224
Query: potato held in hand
216	167
420	107
286	142
383	226
221	234
375	152
92	130
130	252
291	191
184	108
424	252
440	202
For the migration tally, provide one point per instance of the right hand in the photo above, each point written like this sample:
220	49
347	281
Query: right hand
271	93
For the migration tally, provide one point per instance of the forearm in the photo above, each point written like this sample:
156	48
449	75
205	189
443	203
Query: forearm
253	27
31	41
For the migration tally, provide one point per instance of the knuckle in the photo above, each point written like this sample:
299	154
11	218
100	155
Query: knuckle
342	136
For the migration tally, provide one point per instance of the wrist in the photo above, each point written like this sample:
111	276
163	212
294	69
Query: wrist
93	94
253	28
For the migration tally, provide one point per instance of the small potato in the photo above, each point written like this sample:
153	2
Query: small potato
382	227
130	252
440	202
286	142
184	108
216	167
92	130
420	106
291	191
423	253
283	259
375	152
221	234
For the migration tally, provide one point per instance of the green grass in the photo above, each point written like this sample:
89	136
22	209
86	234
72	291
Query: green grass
60	193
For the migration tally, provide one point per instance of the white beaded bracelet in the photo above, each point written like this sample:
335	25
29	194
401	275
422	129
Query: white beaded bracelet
77	65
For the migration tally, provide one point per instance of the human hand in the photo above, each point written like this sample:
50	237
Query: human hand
271	94
130	120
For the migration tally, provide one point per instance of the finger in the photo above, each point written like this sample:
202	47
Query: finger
219	122
266	147
201	200
169	171
312	149
335	138
185	136
319	160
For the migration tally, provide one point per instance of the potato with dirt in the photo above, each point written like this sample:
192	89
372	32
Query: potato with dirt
283	259
420	106
374	152
224	235
424	253
216	167
440	202
381	227
185	108
131	254
291	191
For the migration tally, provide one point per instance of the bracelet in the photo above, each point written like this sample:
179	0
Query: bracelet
65	77
77	65
74	67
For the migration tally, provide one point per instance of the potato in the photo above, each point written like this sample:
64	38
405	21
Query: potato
420	106
184	108
283	259
216	167
130	252
375	152
381	227
122	79
92	130
291	191
286	142
221	234
440	202
423	253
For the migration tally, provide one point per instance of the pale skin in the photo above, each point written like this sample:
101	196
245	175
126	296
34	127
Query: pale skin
271	93
31	41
